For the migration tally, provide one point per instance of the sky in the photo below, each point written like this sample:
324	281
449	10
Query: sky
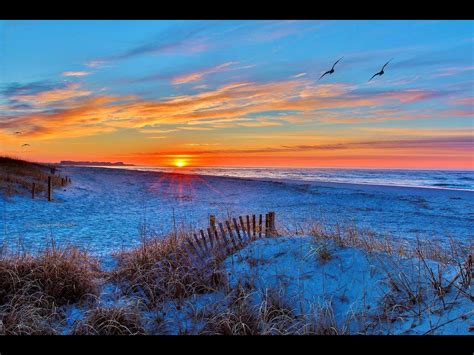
239	93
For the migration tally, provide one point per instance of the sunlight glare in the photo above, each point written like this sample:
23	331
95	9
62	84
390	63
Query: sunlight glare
180	163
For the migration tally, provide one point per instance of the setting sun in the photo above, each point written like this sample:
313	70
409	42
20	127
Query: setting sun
180	163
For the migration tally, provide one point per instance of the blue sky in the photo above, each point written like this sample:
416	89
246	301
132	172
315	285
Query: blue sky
200	88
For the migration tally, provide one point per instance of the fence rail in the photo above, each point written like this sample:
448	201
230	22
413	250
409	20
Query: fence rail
222	239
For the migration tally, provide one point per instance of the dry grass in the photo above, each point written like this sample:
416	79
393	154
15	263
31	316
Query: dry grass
272	315
65	275
162	269
420	291
240	314
110	321
322	321
32	288
28	312
239	318
17	177
348	235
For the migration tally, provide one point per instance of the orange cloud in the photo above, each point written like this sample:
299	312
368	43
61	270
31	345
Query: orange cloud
77	113
199	75
70	91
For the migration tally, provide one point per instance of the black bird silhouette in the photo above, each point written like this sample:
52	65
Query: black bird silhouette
25	145
380	73
332	69
18	132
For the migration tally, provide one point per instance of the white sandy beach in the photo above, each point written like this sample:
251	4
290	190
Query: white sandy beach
108	209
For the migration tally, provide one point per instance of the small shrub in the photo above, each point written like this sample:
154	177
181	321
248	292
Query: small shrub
324	254
110	321
238	318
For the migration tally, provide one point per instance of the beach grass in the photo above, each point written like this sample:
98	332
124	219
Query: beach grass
159	284
33	288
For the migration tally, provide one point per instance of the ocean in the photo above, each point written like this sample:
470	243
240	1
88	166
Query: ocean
435	179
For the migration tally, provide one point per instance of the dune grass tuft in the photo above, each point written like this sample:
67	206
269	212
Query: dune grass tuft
161	269
28	312
65	275
110	321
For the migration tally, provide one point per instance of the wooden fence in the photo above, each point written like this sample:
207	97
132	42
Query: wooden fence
60	180
222	239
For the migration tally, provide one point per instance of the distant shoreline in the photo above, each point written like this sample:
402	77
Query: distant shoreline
92	163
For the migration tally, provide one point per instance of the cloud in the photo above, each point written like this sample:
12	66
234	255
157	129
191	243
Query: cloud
443	72
241	103
14	89
95	63
196	128
147	130
188	39
201	144
76	73
468	101
199	75
458	113
451	144
219	121
196	38
260	124
49	96
299	75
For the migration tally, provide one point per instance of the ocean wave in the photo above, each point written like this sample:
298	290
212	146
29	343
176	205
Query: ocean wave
441	179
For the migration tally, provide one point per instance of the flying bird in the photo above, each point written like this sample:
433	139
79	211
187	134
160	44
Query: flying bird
25	145
380	73
332	69
18	132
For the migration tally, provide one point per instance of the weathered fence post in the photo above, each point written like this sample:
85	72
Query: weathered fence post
249	232
212	222
209	232
231	235
199	246
254	222
203	238
226	242
267	222
260	226
237	230
196	251
50	188
245	233
33	190
272	223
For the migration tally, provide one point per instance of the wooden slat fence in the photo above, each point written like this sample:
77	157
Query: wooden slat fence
222	239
